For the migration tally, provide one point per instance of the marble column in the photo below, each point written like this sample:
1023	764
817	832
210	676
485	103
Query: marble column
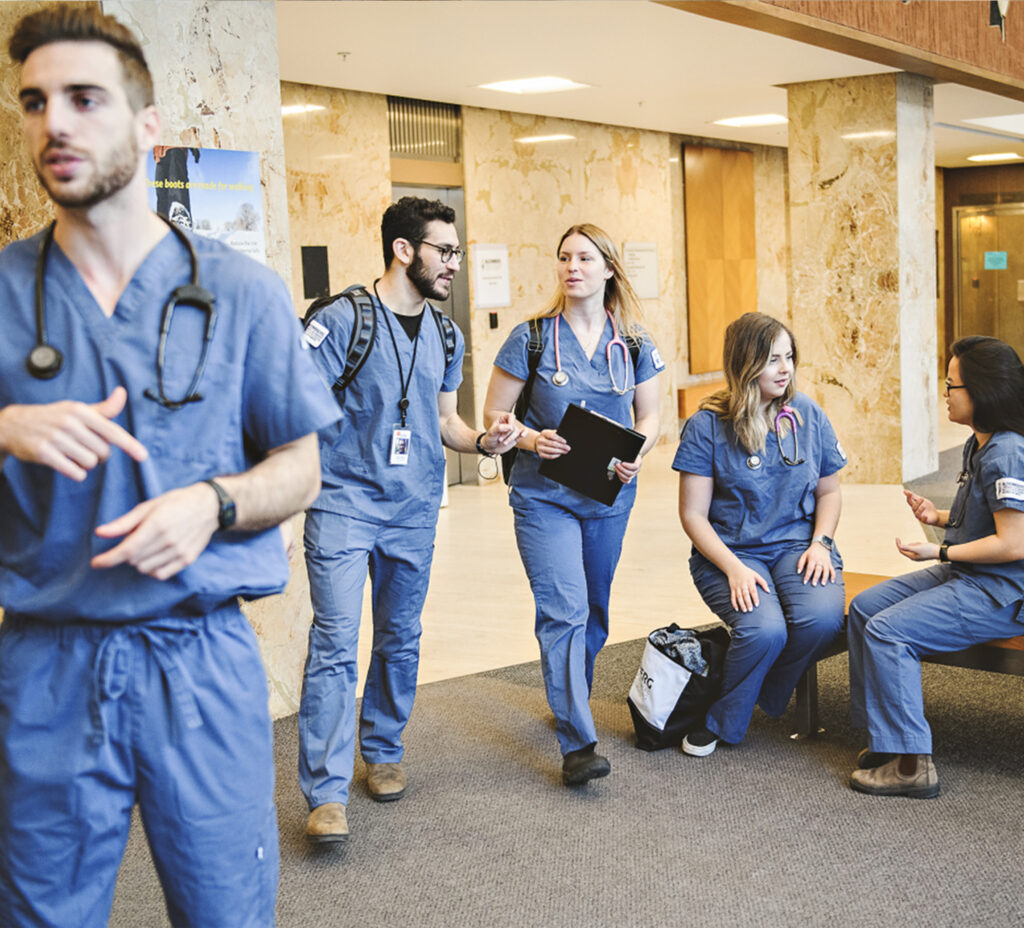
862	266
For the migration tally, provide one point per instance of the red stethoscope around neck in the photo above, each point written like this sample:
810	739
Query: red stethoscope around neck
560	378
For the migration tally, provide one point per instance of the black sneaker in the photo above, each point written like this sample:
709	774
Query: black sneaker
700	743
580	766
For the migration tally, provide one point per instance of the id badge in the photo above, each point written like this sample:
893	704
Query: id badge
400	441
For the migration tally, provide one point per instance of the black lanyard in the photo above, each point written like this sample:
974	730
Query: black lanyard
403	403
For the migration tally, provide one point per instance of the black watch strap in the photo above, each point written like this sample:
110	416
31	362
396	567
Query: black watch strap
480	449
227	513
944	553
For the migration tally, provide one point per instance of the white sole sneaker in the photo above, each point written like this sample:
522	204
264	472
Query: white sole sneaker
698	750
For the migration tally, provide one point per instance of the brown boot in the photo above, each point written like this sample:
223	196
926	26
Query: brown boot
386	782
327	824
887	780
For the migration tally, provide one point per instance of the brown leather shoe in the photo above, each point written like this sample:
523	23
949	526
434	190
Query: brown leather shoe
887	780
386	782
327	824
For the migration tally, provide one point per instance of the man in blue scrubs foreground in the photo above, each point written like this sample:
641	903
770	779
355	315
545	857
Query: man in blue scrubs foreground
383	476
133	519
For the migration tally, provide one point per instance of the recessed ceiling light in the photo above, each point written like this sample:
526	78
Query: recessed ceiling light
294	108
533	85
998	156
876	134
741	122
531	139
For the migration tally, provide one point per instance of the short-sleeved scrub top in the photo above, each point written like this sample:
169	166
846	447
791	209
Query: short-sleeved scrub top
589	384
992	478
358	479
758	499
259	391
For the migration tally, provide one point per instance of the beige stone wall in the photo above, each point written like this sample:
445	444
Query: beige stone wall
862	220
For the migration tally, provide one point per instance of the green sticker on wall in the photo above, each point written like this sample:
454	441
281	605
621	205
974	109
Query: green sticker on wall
995	260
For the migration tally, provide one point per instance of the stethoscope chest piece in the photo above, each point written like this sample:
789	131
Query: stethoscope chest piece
44	362
559	378
754	462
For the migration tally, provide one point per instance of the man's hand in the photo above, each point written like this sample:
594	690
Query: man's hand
162	536
68	436
502	435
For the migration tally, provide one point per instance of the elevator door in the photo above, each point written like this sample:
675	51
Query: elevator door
990	272
461	467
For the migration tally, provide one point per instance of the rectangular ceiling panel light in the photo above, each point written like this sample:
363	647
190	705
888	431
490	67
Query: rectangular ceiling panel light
295	108
999	156
534	85
746	122
533	139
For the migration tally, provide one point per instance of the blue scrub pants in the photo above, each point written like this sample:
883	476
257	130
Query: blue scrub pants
896	623
570	563
771	646
170	714
339	550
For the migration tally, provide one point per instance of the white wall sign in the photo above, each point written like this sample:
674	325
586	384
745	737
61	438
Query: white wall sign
641	261
491	285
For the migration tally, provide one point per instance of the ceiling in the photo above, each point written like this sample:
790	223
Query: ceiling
648	66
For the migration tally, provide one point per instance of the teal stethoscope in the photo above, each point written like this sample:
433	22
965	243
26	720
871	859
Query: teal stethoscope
560	378
44	361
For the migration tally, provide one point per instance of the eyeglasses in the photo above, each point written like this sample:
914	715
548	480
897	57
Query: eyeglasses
953	386
447	252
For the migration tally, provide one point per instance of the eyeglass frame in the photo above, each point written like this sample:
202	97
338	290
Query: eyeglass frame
953	386
456	254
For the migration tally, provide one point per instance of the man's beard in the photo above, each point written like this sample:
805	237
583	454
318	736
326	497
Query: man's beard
110	177
423	282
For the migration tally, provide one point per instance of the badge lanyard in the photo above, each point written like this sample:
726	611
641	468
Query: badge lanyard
401	437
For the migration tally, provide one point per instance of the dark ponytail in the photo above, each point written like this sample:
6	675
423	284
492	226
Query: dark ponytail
994	377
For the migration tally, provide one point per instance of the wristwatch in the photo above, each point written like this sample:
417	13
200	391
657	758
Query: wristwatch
480	449
827	543
944	553
227	513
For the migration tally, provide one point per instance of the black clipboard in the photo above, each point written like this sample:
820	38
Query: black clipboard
596	442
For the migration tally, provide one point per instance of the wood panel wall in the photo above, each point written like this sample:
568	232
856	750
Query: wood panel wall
721	262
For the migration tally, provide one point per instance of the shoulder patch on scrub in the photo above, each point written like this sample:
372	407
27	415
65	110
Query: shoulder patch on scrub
656	359
839	449
315	333
1009	488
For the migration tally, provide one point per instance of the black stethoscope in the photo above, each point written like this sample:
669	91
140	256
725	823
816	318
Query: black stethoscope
44	361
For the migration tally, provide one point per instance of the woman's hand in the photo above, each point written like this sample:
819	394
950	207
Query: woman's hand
918	550
924	509
816	565
550	445
743	584
627	470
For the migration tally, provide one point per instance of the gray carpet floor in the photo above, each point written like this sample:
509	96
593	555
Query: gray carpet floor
766	833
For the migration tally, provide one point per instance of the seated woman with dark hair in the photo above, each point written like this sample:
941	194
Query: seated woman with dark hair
972	595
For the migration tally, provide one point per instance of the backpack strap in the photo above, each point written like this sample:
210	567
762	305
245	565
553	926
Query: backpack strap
364	330
534	349
446	329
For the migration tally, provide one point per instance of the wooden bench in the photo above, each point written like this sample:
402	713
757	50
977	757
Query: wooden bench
1004	655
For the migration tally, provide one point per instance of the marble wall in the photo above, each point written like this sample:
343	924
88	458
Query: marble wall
862	220
339	182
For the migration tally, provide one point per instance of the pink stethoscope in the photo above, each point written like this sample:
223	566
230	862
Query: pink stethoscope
788	413
560	378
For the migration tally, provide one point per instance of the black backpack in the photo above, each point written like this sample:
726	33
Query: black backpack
534	349
364	331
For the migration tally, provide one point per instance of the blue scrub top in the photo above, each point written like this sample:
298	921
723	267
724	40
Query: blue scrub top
772	501
589	384
358	479
992	478
259	392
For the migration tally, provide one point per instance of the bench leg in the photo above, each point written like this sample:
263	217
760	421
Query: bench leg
807	705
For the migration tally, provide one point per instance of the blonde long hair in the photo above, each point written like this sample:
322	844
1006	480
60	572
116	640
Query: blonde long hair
620	298
748	346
